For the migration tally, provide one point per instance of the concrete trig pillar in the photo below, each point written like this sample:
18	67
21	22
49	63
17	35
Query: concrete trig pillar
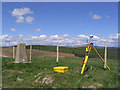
21	55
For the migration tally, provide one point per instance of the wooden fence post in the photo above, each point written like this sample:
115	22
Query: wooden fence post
30	51
57	52
13	52
105	54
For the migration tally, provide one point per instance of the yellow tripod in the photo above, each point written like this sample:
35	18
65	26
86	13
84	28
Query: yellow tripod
88	49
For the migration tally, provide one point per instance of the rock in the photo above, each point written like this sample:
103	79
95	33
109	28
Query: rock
19	79
84	87
38	74
87	76
77	71
37	79
47	80
99	85
53	87
91	86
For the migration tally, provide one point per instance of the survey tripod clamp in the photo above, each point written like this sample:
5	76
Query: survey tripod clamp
88	49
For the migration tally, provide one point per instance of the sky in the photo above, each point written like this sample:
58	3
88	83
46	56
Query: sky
69	23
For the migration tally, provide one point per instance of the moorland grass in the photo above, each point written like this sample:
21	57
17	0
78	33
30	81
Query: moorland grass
98	76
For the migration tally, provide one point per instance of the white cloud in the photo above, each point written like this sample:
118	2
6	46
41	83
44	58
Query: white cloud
96	37
54	36
82	36
95	17
52	40
43	36
65	35
21	35
29	19
114	36
37	30
34	37
20	19
13	29
20	13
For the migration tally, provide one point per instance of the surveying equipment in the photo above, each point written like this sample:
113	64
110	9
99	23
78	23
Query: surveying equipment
88	49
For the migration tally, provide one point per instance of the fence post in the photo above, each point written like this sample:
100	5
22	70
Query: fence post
30	51
105	54
57	53
13	52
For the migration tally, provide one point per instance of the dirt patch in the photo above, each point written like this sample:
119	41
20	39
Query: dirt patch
7	52
38	74
9	76
95	85
12	71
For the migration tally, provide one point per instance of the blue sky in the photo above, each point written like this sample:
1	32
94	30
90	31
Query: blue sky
61	19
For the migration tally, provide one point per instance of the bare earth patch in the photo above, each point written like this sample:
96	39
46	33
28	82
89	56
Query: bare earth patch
95	85
12	71
7	52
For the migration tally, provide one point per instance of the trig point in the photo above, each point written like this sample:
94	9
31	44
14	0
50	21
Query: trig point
21	56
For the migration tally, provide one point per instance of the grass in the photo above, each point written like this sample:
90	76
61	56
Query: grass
98	76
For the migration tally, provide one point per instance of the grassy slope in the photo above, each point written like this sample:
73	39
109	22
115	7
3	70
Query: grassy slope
70	79
111	54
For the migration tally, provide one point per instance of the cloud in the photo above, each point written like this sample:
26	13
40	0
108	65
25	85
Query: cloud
37	30
20	19
65	35
13	29
82	36
114	36
81	39
21	35
54	36
29	19
43	36
95	17
20	13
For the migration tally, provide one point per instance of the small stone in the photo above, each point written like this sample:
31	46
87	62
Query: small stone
87	76
47	80
19	79
91	86
84	87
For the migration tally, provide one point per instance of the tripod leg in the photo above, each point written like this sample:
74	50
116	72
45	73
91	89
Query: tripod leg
86	58
101	57
84	63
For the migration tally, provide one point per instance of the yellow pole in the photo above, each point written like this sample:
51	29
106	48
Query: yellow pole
88	49
101	57
91	40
